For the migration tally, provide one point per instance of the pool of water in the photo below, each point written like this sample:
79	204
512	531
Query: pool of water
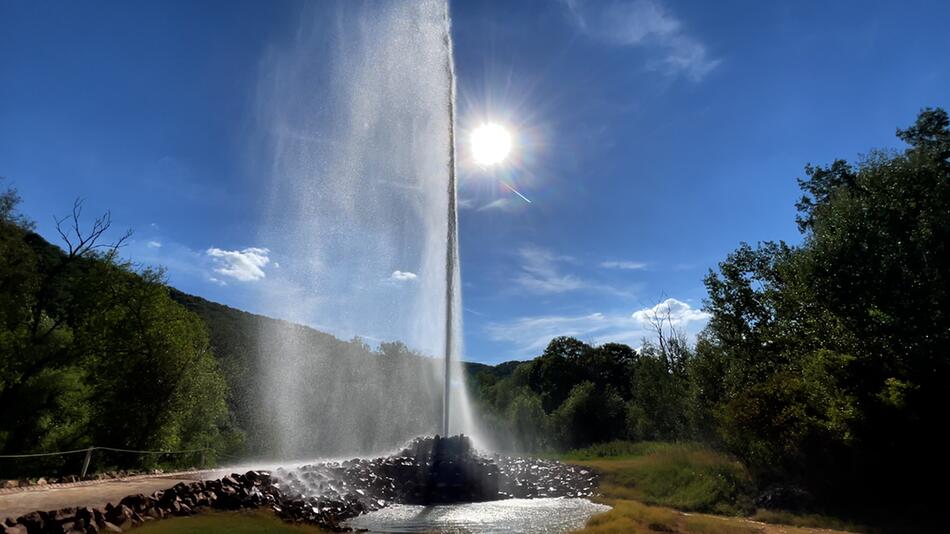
552	516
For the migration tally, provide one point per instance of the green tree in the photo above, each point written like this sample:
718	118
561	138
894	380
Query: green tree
833	354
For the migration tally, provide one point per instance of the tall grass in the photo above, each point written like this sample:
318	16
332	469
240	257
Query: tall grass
686	476
631	517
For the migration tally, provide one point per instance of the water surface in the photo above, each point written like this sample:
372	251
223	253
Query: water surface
551	516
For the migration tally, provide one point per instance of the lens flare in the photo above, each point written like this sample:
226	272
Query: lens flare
491	144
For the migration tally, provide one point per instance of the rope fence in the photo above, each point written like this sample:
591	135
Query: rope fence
88	451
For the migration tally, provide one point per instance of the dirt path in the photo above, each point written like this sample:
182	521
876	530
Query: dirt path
14	503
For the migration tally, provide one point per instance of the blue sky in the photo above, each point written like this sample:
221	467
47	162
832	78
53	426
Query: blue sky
652	137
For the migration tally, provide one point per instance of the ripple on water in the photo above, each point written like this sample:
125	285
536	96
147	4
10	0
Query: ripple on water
555	515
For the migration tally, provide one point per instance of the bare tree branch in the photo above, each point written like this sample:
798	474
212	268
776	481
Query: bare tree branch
84	243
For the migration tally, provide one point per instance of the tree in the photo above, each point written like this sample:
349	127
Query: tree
94	352
833	354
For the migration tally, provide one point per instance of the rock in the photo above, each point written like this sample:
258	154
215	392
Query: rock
785	497
122	517
99	517
15	529
62	515
10	484
138	503
34	521
41	482
109	527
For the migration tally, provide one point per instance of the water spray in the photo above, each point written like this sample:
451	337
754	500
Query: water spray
451	249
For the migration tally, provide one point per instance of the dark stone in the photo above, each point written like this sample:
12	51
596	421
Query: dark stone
121	516
138	503
33	521
785	497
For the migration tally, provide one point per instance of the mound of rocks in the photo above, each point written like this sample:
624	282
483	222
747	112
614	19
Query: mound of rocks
430	470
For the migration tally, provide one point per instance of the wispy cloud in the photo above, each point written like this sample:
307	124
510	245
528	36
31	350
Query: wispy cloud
402	276
644	23
245	265
624	265
529	335
154	244
542	272
501	204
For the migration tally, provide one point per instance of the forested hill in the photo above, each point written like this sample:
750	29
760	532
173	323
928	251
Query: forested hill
236	339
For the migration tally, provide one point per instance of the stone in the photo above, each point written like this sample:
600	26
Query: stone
109	527
15	529
138	503
122	517
34	521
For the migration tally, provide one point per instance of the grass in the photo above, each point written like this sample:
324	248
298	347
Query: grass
634	517
781	517
685	476
650	485
252	522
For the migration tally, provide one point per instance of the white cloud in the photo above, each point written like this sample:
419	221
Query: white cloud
679	313
402	276
624	265
154	244
644	23
244	265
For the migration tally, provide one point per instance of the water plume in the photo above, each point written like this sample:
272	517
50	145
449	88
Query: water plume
357	110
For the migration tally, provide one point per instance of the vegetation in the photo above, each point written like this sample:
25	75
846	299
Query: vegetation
94	352
650	483
686	476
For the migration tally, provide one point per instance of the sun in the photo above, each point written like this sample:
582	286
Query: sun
491	144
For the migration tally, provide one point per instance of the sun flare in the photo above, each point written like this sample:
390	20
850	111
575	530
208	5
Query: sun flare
491	144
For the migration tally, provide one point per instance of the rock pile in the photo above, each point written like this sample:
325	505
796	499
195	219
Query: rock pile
529	478
429	471
250	490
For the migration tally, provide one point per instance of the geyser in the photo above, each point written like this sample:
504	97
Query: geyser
357	110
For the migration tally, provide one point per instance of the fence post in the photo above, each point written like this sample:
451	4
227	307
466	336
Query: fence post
85	463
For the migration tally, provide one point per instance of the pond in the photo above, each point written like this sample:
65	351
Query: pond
552	515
